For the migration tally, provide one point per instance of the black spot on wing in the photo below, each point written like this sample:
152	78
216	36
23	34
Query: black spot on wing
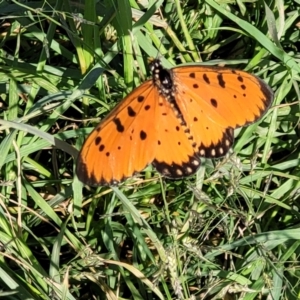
214	102
131	112
119	126
97	140
143	135
205	78
221	80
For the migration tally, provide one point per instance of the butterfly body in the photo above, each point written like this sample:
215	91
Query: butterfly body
171	121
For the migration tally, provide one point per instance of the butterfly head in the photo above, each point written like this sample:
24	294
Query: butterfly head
155	64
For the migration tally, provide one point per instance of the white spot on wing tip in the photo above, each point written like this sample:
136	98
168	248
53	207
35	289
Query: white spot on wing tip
202	152
179	172
165	171
195	162
189	169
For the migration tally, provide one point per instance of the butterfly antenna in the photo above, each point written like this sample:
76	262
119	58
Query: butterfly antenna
138	62
159	55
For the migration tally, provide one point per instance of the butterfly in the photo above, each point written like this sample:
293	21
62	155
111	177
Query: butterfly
172	120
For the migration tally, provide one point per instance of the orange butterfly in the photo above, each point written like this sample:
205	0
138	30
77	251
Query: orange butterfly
171	121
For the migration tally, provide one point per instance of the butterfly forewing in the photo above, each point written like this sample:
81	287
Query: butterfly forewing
122	144
238	97
214	101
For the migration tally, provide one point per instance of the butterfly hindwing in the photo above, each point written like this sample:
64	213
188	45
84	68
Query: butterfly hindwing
175	155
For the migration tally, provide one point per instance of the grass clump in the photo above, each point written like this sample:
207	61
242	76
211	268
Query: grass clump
230	232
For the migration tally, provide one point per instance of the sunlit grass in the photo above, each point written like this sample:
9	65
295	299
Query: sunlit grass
229	231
